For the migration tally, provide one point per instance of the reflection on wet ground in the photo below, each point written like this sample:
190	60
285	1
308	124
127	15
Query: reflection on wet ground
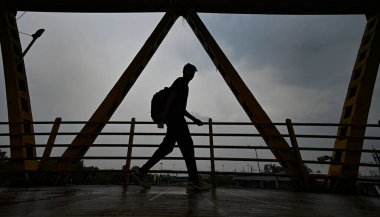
174	201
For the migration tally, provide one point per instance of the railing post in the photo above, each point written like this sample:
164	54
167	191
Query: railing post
211	138
302	170
129	153
50	143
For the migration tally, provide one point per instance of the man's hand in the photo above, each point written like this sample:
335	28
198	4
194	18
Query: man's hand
198	122
194	119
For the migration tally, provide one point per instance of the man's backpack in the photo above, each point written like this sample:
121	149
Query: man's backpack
158	104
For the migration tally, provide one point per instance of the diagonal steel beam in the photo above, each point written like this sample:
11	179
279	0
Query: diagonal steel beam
101	116
255	112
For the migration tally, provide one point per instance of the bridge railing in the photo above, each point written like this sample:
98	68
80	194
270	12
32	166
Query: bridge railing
312	149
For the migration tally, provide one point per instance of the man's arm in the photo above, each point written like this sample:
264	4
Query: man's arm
194	119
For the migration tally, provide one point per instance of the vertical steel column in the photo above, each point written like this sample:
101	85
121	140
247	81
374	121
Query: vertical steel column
129	153
18	101
246	99
356	108
101	116
212	161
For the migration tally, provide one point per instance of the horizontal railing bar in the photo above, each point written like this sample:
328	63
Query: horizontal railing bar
201	146
197	134
197	158
196	146
205	123
143	158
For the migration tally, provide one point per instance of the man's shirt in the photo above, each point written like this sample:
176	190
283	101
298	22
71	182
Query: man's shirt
178	108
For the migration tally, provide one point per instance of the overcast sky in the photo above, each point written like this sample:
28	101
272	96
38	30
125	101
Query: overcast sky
297	67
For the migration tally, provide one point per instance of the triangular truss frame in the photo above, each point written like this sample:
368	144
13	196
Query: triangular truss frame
279	147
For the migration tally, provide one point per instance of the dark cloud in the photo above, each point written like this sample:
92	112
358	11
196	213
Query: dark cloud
292	60
301	48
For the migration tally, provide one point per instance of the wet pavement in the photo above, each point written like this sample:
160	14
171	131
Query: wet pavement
174	201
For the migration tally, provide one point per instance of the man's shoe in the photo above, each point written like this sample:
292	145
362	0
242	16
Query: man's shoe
139	178
198	186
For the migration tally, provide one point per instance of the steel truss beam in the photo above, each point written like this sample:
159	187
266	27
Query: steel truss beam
358	97
101	116
271	135
206	6
356	107
18	101
255	112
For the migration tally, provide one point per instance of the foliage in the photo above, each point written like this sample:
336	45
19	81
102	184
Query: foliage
92	176
308	169
273	168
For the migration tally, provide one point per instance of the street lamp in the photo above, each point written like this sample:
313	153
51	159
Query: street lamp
36	35
257	158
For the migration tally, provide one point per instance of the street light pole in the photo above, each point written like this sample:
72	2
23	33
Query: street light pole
35	36
258	164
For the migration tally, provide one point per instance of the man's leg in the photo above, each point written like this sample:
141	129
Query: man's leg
186	145
165	148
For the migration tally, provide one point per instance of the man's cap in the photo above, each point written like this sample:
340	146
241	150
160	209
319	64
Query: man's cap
189	66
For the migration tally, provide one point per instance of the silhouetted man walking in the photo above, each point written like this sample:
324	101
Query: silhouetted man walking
177	131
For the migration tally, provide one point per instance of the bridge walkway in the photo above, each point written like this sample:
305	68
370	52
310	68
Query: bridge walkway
174	201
